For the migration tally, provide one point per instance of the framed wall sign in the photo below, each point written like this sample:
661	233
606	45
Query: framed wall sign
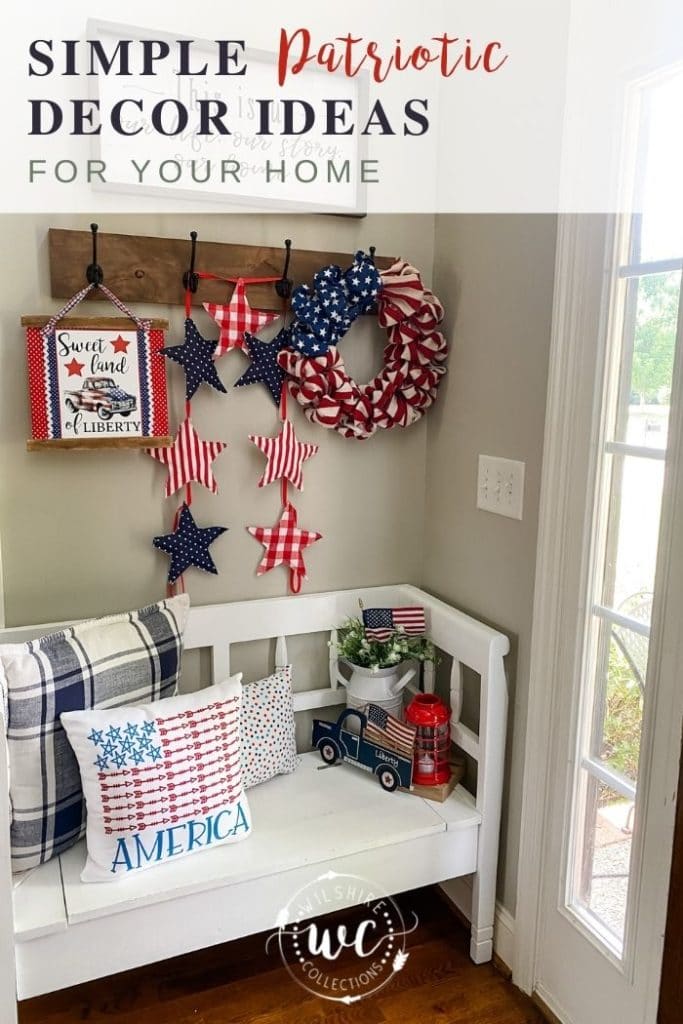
96	382
264	168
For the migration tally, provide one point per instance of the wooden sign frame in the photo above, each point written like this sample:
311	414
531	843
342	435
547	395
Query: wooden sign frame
118	398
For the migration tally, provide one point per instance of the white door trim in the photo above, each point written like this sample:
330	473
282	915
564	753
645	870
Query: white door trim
583	242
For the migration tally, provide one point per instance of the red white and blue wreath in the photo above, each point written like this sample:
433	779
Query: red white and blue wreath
414	358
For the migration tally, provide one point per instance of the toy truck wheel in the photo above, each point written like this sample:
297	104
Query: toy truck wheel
388	779
126	413
329	751
103	412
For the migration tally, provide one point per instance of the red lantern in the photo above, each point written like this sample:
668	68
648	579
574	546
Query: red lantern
432	720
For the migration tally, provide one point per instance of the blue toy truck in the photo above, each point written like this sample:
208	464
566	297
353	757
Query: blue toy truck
337	743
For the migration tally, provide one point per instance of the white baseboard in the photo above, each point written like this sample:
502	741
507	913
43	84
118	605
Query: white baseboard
459	892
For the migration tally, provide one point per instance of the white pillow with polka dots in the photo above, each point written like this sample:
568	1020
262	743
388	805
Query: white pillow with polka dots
267	728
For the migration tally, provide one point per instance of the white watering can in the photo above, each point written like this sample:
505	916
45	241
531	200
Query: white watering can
382	687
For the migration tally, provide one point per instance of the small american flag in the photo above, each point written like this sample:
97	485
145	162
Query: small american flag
387	731
165	771
381	623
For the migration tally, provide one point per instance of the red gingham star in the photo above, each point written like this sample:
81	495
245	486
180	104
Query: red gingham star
284	544
286	456
188	459
236	318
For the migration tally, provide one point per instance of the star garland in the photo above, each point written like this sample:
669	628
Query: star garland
285	542
189	459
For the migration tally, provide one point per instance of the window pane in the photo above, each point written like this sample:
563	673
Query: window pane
621	687
603	871
633	532
662	198
647	360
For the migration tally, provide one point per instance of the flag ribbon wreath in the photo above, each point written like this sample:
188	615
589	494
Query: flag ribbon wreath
189	459
414	358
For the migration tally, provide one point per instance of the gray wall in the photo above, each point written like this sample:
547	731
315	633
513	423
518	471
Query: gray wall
77	527
495	276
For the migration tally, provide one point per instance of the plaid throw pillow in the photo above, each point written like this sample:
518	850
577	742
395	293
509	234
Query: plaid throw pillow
132	658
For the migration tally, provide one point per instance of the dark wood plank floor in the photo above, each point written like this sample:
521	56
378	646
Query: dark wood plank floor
239	983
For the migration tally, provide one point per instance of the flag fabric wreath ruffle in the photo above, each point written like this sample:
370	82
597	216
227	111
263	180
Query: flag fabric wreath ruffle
414	363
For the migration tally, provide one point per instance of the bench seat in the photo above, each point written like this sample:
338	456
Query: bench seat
310	821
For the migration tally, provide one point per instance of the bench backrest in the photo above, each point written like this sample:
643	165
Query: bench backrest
469	643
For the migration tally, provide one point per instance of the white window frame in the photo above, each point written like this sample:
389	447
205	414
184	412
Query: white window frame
584	244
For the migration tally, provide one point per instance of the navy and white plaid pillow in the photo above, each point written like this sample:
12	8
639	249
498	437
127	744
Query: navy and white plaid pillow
132	658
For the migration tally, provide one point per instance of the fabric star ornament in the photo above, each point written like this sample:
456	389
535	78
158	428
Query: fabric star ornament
189	545
284	544
286	456
236	319
195	356
189	459
264	367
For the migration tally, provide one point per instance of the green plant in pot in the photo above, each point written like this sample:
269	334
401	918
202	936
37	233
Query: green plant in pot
378	669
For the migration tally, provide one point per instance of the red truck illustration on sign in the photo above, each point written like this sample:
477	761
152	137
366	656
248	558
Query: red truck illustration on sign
96	382
101	395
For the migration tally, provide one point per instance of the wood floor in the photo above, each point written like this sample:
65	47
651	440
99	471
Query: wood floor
239	983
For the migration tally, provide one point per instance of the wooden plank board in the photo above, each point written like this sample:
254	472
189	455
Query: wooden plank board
310	817
142	268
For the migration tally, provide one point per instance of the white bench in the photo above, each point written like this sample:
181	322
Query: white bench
56	931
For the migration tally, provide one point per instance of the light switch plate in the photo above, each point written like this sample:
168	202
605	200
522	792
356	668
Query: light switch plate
500	486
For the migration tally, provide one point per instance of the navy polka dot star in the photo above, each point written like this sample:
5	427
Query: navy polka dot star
189	545
195	355
264	367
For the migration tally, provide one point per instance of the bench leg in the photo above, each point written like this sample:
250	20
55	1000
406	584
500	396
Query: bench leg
483	915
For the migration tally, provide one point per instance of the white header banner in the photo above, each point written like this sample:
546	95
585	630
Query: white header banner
443	106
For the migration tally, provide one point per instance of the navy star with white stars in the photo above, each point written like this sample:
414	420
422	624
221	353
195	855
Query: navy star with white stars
264	367
195	355
188	545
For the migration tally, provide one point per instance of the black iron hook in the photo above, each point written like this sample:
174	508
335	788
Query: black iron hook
284	286
190	279
94	273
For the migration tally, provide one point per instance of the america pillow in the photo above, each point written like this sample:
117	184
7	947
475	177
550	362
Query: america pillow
161	780
122	659
267	728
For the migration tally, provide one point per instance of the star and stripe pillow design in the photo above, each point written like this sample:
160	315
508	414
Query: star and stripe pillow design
161	781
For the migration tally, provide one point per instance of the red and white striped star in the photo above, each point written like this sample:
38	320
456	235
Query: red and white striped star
286	456
236	318
188	459
284	544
